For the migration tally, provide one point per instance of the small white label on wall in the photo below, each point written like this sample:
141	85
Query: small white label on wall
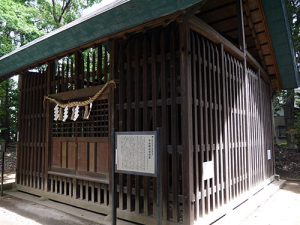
269	154
208	170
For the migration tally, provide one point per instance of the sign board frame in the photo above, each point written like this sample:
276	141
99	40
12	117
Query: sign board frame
156	174
155	152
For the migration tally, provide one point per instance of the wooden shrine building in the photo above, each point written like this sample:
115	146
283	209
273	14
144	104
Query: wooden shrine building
201	71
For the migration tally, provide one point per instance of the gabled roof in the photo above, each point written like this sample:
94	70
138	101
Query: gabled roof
122	15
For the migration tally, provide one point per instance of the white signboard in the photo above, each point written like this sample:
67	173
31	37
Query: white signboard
208	170
269	153
136	152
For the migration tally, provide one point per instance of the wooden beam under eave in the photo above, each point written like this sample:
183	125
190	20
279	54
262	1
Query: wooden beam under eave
211	34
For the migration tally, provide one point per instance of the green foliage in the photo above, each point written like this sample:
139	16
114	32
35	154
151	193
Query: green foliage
9	96
294	18
22	21
17	25
283	145
288	99
56	13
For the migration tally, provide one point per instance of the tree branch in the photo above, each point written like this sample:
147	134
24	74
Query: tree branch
63	10
54	11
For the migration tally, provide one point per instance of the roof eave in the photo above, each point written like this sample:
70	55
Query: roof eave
125	15
279	29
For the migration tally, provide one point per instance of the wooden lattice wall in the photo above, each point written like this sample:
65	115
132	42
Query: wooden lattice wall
149	97
232	126
227	111
32	136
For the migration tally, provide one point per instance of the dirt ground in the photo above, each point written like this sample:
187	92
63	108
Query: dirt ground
287	163
281	208
15	211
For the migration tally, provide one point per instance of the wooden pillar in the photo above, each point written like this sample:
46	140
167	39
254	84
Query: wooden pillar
50	71
243	47
111	106
186	118
19	142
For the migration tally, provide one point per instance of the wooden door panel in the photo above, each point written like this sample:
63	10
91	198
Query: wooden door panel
64	154
102	157
82	156
56	154
72	155
92	151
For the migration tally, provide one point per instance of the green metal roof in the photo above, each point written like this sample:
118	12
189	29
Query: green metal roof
118	16
279	29
125	14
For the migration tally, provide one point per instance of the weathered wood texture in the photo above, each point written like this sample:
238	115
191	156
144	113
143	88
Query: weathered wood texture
221	91
223	17
207	106
32	123
74	161
149	97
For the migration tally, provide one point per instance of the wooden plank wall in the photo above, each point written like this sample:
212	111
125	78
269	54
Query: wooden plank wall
149	97
227	131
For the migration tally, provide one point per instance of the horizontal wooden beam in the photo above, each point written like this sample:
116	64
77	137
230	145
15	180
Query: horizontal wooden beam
210	33
78	93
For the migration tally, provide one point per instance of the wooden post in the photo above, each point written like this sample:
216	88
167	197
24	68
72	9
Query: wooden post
186	117
111	105
243	47
50	71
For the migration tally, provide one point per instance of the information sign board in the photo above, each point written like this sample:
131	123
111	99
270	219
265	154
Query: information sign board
136	152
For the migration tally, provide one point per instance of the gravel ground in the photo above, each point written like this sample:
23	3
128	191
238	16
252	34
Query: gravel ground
10	162
282	208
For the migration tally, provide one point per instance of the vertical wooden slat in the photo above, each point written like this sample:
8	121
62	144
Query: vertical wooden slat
154	109
186	122
121	115
105	65
211	146
201	68
220	87
226	121
206	140
112	109
196	103
129	114
174	126
145	117
20	143
216	130
164	158
99	64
